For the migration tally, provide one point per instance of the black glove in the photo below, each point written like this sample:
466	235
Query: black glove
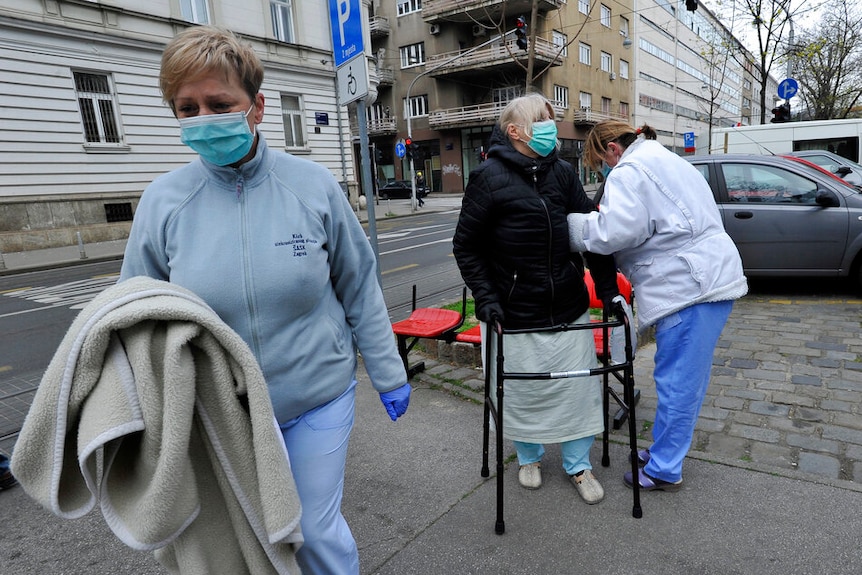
490	312
615	308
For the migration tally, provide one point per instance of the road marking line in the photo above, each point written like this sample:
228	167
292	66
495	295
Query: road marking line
402	268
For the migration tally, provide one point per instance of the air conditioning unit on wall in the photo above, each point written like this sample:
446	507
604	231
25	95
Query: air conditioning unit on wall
479	30
434	29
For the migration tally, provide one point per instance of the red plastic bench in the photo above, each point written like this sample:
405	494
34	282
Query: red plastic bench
427	323
472	335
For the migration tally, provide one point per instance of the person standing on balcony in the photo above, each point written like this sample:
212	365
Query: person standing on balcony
270	242
659	218
511	245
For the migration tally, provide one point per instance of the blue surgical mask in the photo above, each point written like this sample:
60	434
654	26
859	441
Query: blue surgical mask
606	169
544	138
222	139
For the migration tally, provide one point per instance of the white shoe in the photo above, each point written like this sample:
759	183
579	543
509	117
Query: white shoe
530	475
588	487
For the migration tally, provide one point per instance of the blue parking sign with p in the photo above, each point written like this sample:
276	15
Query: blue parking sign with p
345	18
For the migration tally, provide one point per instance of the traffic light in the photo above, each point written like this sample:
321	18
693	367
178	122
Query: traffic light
691	5
378	154
781	113
521	33
408	147
413	150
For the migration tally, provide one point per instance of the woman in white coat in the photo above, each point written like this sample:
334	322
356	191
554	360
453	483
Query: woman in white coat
659	219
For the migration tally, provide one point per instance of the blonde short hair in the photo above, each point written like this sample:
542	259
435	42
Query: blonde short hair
202	50
524	110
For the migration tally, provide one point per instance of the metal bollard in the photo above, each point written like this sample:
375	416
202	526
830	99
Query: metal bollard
81	246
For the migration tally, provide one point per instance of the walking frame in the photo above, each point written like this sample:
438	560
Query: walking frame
622	372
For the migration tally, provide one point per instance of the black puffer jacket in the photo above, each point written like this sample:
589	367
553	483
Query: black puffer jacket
512	240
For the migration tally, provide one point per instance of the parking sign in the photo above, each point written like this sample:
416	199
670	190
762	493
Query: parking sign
345	20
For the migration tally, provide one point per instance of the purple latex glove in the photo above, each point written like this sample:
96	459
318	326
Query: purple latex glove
396	401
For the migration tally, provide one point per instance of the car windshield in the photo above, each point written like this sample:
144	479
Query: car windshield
824	171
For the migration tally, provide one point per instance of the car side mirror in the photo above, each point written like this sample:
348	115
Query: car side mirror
843	171
826	199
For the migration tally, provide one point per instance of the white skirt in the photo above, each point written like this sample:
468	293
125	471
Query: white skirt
548	410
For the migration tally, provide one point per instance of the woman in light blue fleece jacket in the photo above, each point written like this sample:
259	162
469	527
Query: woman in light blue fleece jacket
270	242
659	219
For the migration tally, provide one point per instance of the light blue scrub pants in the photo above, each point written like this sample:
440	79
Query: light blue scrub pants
317	448
685	344
576	453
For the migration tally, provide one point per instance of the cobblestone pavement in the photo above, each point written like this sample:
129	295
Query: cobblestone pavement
785	395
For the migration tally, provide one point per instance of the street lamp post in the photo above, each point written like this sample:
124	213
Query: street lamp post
410	114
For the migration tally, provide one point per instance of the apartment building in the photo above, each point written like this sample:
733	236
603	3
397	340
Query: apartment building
447	67
83	128
691	75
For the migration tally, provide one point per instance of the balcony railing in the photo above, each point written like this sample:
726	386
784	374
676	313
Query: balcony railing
590	116
378	26
477	115
377	127
481	9
386	76
493	54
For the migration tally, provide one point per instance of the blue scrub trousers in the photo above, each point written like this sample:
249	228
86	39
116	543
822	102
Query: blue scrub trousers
685	344
317	448
576	453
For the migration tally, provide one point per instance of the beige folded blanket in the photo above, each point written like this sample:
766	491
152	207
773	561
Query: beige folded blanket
155	409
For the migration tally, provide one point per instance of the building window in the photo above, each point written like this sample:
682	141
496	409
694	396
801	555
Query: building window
561	97
624	26
417	107
412	55
607	62
605	16
584	51
195	11
294	121
584	6
507	93
624	109
98	106
606	106
624	69
408	6
561	41
586	101
282	20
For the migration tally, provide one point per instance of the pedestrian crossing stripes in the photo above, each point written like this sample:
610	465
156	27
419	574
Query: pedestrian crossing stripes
74	295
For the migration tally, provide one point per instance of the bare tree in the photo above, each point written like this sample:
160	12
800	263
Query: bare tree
770	19
828	58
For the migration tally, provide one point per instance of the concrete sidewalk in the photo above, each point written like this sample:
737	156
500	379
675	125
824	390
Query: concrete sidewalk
417	504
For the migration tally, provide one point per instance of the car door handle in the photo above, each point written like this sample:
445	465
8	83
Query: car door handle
743	215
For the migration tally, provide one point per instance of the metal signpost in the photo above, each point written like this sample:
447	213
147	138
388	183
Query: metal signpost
351	72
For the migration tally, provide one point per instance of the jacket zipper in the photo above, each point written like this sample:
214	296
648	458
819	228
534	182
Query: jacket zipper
550	250
246	263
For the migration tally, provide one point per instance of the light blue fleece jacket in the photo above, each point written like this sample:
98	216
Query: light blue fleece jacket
275	249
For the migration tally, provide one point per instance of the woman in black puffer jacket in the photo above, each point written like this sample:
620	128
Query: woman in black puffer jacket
512	248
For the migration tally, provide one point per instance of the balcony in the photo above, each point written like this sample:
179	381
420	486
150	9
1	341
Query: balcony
471	116
376	127
495	57
378	26
590	117
386	76
481	10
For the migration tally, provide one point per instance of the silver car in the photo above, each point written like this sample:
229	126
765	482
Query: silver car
786	217
839	165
